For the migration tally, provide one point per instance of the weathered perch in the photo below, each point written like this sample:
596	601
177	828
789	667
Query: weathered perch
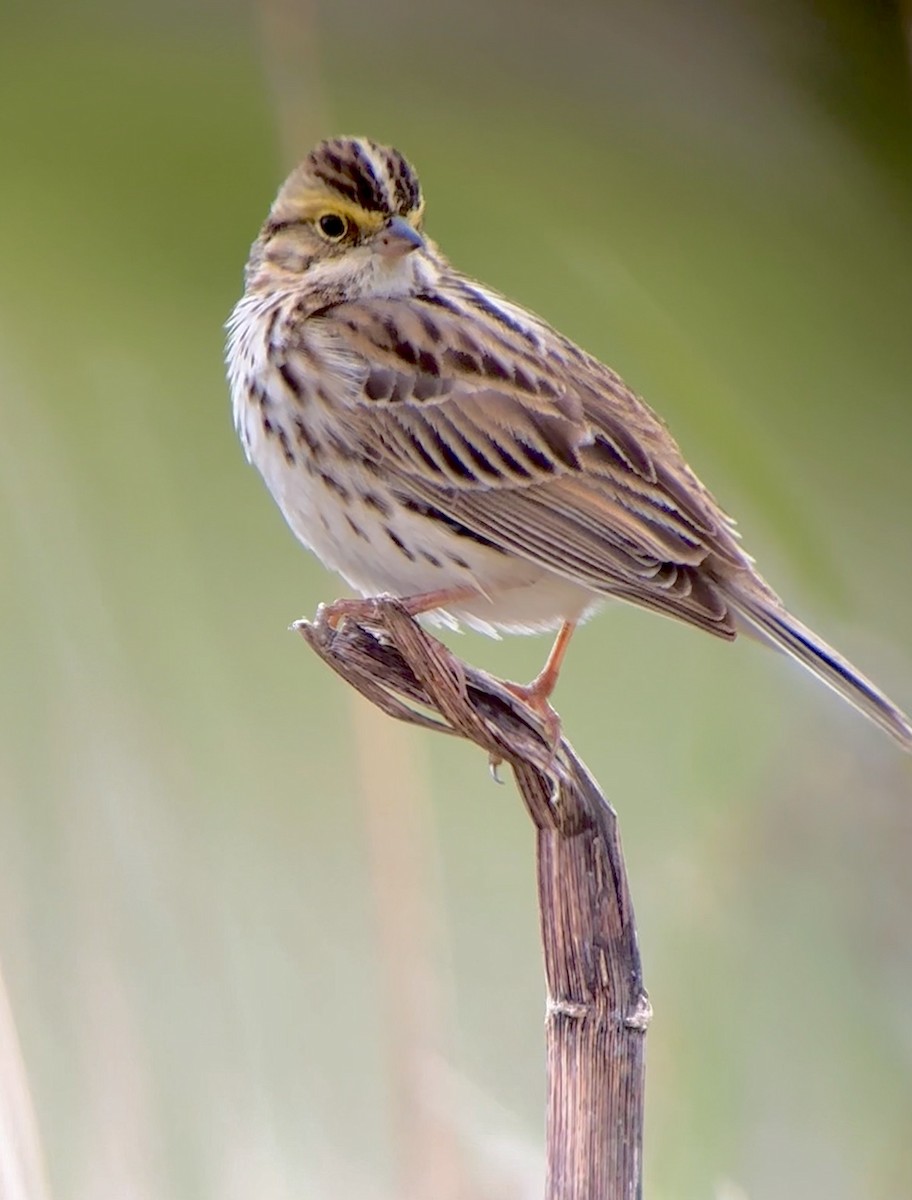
597	1008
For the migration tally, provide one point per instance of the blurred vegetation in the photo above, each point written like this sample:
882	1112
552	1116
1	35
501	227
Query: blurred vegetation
716	198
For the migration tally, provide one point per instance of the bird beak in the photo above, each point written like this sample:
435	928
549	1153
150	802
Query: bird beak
398	238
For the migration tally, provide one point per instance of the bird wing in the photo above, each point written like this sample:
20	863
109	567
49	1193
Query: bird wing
479	413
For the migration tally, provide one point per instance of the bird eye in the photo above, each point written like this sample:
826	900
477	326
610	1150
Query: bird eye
332	226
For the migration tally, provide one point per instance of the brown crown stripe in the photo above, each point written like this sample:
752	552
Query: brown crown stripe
408	190
344	168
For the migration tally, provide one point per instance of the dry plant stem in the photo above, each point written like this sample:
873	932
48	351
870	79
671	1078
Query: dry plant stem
597	1011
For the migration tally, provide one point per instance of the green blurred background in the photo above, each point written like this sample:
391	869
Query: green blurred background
240	960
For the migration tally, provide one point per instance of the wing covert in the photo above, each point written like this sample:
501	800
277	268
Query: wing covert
530	443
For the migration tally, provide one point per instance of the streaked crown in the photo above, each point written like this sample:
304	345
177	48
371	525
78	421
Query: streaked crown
356	172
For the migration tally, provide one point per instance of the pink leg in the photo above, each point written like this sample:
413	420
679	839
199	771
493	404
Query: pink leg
537	694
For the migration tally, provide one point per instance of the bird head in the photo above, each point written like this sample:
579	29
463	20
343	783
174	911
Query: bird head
347	223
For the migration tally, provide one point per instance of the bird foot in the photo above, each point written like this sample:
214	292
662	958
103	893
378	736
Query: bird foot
334	613
368	608
536	696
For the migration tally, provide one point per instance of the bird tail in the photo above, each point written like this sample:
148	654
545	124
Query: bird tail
762	615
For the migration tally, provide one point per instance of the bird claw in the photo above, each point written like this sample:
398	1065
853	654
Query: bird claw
368	608
533	697
334	613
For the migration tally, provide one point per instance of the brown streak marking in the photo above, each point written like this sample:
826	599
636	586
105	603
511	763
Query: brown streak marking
379	385
430	327
512	463
334	486
291	381
455	527
452	459
461	360
440	301
270	328
372	500
343	452
304	438
536	457
398	542
286	448
493	368
406	352
356	529
522	380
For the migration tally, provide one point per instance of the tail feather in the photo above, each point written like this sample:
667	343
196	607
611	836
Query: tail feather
761	615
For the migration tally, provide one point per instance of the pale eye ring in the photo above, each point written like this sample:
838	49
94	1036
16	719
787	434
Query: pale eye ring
333	226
